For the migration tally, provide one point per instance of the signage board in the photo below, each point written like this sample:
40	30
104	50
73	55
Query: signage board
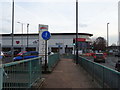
46	35
41	29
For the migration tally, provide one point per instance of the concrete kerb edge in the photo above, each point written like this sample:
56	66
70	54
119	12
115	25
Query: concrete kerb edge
38	83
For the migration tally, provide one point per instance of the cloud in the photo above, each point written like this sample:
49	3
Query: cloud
58	1
83	25
42	1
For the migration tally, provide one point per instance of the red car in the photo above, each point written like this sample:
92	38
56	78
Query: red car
99	57
21	53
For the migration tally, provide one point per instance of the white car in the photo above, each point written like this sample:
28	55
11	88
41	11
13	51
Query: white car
79	52
1	55
50	53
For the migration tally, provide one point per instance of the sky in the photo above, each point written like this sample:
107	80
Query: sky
60	16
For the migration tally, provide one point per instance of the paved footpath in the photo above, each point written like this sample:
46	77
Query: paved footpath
68	75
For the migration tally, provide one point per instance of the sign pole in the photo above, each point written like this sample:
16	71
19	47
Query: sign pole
46	36
45	55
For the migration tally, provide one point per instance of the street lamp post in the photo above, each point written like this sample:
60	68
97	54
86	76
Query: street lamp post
12	49
21	35
76	31
27	34
107	35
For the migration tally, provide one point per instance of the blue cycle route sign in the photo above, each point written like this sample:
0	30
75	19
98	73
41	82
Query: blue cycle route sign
46	35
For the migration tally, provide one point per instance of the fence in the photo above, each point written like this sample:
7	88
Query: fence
21	74
52	61
107	78
1	76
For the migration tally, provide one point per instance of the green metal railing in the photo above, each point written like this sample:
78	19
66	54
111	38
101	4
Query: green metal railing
1	76
52	61
21	74
105	76
69	56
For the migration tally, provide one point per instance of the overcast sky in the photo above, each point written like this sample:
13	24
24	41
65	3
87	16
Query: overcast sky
60	16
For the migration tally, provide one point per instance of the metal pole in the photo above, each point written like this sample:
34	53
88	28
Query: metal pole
45	55
76	31
12	29
27	34
22	36
107	36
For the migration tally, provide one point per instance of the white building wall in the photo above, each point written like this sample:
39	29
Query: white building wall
65	39
52	42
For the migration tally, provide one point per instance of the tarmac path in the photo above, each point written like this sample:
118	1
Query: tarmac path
67	74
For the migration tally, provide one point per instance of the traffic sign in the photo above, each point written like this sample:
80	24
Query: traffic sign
46	35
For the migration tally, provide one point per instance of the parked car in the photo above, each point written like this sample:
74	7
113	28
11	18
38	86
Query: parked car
9	53
79	52
1	55
99	57
50	53
117	66
26	55
20	53
117	54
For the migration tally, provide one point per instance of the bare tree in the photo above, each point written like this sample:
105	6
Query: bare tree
99	44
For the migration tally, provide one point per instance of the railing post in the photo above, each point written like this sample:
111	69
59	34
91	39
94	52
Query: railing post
118	81
93	72
103	78
30	74
1	77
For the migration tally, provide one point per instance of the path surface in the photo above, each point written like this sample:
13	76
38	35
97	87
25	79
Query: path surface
68	75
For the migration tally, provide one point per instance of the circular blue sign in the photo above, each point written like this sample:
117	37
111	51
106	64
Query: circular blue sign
46	35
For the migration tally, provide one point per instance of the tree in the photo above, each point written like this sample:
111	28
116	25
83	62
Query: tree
99	44
113	44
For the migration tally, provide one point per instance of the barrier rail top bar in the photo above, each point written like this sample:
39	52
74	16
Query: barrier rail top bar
102	66
18	62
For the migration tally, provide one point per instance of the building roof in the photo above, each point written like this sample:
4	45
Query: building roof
51	34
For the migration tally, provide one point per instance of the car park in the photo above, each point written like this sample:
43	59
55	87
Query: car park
2	55
117	54
9	53
26	55
20	53
99	57
79	52
50	53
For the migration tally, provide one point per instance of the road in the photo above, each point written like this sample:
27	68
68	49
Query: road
7	60
110	61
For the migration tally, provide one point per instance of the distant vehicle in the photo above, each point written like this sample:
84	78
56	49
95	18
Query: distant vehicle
20	53
9	53
50	53
26	55
79	52
89	54
117	66
99	57
1	55
117	54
